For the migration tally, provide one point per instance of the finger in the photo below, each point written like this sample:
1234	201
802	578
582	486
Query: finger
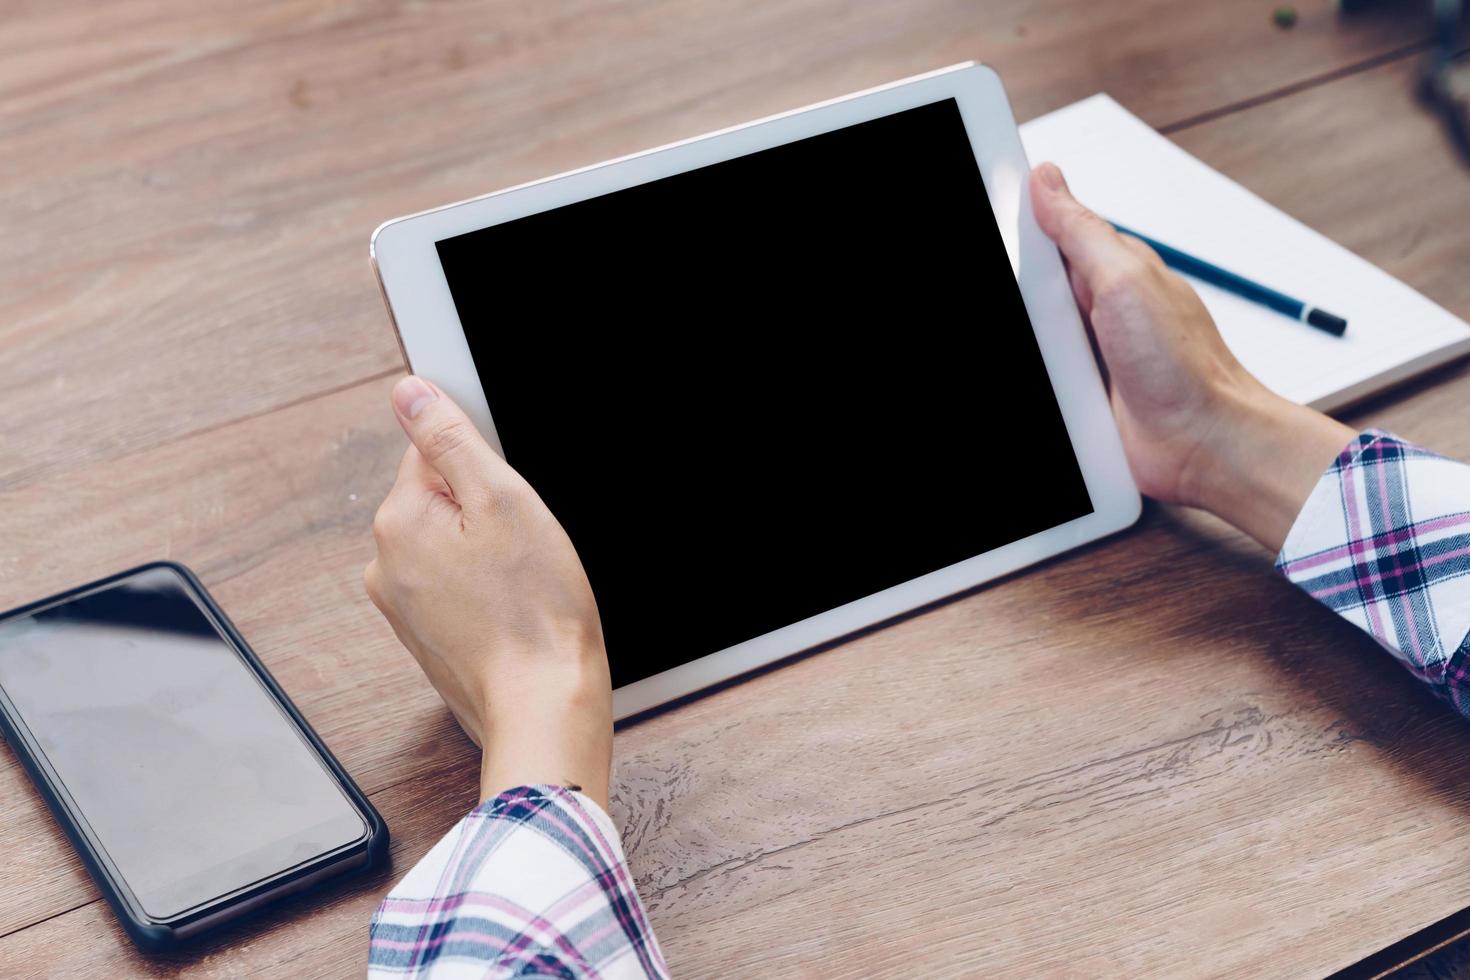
418	494
444	436
1081	290
372	582
1089	244
416	475
1142	249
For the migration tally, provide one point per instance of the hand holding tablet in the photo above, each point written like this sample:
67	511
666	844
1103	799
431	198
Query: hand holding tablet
766	379
482	586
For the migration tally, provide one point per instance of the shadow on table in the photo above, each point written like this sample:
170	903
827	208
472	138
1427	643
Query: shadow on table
1335	664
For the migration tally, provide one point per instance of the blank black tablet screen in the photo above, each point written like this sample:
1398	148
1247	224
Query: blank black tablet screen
758	390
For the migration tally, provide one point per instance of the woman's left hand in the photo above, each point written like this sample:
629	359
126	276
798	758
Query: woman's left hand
483	587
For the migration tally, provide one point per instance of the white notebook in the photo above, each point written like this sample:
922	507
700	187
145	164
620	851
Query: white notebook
1121	168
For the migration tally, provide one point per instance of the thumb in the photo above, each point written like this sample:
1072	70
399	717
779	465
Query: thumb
444	436
1090	245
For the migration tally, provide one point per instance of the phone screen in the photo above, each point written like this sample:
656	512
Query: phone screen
192	777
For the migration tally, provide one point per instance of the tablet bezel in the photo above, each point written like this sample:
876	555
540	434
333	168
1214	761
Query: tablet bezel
433	342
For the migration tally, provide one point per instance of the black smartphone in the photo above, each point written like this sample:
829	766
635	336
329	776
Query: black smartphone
188	782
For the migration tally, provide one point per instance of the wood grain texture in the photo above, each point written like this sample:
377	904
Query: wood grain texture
1213	777
188	188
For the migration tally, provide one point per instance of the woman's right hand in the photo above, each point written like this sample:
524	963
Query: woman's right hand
1197	427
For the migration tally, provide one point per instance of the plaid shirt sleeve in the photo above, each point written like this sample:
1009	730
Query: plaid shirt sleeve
530	884
1384	541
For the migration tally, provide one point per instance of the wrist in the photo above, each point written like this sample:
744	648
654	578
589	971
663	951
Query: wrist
1261	459
551	727
1223	469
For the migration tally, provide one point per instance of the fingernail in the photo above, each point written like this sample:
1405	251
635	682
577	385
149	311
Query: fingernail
1051	176
411	395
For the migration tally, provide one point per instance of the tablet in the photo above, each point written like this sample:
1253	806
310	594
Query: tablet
781	382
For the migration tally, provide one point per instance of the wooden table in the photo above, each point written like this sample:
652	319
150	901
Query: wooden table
1148	757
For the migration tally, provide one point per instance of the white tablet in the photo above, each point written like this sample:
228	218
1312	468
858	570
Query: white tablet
781	382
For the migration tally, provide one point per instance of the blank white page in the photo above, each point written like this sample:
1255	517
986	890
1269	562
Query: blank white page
1124	170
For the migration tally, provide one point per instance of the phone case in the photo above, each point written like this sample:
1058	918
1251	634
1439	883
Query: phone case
149	934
